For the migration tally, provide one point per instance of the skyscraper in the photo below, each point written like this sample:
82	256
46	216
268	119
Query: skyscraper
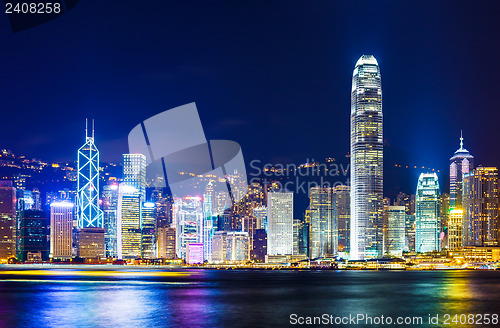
33	236
128	222
61	230
280	223
461	163
134	172
89	213
395	242
323	230
148	214
427	214
342	215
110	209
7	220
366	160
455	230
480	204
189	220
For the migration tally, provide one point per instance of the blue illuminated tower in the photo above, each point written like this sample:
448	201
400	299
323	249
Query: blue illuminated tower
89	213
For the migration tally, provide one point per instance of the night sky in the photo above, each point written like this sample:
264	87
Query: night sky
275	77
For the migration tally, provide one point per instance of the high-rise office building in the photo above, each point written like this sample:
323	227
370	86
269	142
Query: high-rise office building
237	246
395	242
260	213
323	230
480	205
61	230
134	172
209	226
427	214
110	211
341	215
445	215
34	236
8	226
461	163
366	155
165	243
219	247
128	222
259	248
148	217
88	211
455	230
410	231
230	246
189	220
280	223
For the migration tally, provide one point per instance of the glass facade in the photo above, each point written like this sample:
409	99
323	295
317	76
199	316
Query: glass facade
427	215
480	204
366	231
280	223
396	217
134	172
89	213
323	232
461	163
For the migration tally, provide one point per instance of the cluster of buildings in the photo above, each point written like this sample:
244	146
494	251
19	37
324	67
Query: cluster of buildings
125	218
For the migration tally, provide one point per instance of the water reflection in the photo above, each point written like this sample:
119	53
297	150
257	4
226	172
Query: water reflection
238	298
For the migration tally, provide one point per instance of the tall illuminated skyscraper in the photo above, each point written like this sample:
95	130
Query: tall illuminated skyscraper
461	163
208	221
342	216
427	221
61	230
322	226
110	209
134	172
280	223
366	160
7	220
89	213
480	204
128	222
189	223
148	215
396	217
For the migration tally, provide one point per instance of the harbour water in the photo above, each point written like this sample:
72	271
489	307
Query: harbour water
144	297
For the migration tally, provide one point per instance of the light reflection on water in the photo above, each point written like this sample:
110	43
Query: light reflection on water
213	298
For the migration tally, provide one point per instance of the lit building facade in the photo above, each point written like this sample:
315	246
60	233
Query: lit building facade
366	231
323	230
461	163
395	243
61	230
455	229
110	214
88	211
189	223
480	205
280	223
341	216
134	172
427	214
34	236
148	217
8	226
129	223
